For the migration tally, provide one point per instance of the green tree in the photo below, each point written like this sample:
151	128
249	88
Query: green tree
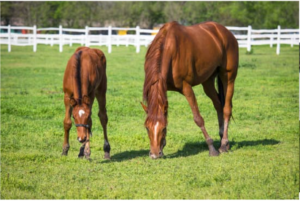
7	11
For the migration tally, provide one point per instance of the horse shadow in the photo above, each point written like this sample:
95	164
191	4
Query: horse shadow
127	155
193	148
189	149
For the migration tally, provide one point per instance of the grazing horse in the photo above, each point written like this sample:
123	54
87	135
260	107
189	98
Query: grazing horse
179	58
85	79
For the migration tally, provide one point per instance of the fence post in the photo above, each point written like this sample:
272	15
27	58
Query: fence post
249	39
271	41
292	39
34	38
137	38
278	40
9	38
60	39
86	36
109	39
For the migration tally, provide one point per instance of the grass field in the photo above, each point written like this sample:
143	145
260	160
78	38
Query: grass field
263	162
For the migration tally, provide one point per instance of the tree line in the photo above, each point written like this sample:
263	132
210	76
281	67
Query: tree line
148	14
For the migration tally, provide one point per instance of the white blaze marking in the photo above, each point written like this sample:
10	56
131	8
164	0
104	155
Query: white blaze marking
155	131
81	112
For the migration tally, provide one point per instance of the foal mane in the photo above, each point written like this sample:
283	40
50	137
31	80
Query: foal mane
77	77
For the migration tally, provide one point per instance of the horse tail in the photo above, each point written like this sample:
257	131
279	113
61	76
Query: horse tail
77	76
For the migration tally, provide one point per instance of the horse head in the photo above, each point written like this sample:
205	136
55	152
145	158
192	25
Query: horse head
82	117
156	126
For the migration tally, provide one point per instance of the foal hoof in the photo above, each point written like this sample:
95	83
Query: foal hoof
64	153
65	150
106	156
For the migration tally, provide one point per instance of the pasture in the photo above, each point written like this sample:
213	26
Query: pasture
263	162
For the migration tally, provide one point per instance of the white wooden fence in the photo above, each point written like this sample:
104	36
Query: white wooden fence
98	36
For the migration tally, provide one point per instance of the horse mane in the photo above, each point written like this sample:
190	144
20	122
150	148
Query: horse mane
155	87
77	76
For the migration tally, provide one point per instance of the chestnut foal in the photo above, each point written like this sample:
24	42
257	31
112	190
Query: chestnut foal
85	79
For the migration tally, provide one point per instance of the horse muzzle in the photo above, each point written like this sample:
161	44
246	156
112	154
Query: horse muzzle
82	139
157	155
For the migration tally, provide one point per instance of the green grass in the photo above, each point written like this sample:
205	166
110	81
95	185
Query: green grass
263	162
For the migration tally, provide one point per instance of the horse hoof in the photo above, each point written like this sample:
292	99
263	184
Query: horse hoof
106	156
223	149
213	153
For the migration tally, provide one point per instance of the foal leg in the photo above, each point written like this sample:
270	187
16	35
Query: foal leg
210	91
103	119
86	145
67	125
188	92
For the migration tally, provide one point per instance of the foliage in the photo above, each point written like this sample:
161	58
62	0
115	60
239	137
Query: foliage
150	13
263	162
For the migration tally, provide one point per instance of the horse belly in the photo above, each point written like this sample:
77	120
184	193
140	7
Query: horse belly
205	65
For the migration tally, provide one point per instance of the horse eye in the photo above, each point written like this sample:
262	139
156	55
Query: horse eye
147	129
164	130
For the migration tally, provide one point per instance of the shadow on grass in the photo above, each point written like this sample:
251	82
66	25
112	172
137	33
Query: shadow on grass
189	149
238	145
193	148
127	155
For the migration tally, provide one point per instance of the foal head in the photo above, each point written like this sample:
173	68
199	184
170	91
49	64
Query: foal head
82	117
156	126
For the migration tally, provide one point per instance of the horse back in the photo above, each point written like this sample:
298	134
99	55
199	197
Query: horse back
193	53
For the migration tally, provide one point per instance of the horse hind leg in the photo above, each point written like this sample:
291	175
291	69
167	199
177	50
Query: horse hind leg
227	78
210	91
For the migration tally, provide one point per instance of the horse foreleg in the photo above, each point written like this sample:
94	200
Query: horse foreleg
104	119
188	92
67	126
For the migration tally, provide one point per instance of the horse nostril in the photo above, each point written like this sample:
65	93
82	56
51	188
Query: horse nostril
160	153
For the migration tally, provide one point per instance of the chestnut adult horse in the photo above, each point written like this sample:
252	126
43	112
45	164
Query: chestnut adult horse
85	79
179	58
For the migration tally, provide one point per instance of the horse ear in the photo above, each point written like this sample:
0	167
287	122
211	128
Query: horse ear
144	107
73	102
86	100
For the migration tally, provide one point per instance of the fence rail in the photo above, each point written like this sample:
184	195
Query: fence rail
23	36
